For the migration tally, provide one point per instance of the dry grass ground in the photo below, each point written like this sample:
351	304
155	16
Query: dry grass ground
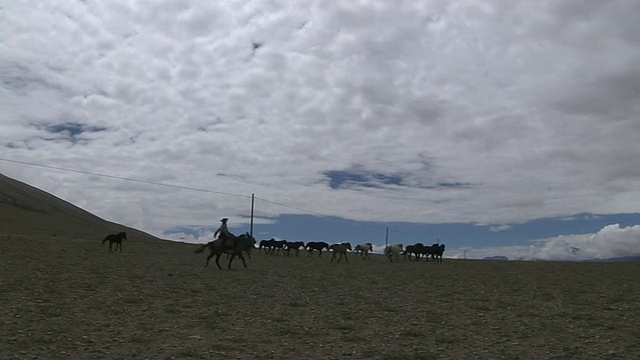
70	299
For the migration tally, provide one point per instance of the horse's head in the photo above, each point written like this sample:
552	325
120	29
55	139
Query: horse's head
251	238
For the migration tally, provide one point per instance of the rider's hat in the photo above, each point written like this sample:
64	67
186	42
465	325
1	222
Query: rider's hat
224	219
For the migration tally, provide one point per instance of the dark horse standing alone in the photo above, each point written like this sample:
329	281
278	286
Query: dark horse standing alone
117	239
217	248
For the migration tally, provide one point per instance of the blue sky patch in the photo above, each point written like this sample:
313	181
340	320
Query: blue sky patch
72	129
455	235
344	179
456	185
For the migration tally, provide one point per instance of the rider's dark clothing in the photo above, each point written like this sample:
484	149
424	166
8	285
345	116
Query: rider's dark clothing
228	239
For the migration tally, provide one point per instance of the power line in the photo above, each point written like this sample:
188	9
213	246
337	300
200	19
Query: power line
186	188
125	178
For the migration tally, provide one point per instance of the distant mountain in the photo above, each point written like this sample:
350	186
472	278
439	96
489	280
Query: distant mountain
496	258
620	259
26	210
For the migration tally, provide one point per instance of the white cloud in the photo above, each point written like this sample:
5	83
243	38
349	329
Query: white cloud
488	112
611	241
498	228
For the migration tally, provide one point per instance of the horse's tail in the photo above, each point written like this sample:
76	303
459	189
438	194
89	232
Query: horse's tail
201	249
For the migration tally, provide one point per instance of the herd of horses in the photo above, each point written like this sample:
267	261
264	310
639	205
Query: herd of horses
245	243
418	250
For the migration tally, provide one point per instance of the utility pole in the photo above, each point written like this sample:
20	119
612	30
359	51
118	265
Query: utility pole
386	238
252	202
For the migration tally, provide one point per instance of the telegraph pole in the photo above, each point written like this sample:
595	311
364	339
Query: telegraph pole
386	238
252	201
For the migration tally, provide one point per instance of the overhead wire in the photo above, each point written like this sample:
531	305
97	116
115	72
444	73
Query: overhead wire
186	188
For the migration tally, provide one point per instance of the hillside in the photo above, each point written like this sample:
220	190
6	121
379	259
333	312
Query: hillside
26	210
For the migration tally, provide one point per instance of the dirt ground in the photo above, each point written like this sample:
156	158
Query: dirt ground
70	299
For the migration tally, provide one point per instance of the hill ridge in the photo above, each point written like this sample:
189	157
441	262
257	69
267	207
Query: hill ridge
27	210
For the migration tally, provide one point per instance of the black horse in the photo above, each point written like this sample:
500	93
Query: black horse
277	246
294	245
115	239
436	251
216	247
317	245
415	249
248	249
267	245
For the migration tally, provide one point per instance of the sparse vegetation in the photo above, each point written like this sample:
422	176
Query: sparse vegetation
63	296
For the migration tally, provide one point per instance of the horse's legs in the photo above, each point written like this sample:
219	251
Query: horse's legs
218	261
208	258
241	258
345	257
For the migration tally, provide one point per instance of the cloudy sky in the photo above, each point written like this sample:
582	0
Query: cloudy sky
496	127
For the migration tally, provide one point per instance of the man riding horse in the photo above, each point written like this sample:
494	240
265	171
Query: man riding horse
228	239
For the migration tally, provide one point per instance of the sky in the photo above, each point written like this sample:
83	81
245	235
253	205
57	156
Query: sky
497	128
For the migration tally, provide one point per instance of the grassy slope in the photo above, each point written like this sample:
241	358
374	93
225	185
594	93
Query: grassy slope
69	298
27	210
156	300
